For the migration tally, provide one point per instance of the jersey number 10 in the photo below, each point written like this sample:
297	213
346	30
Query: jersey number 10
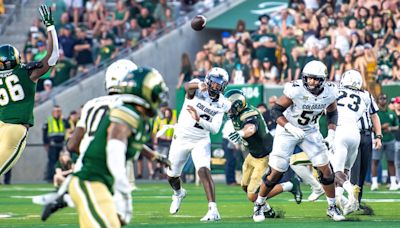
12	89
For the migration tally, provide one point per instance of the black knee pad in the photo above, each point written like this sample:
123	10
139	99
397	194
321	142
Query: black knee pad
325	180
268	183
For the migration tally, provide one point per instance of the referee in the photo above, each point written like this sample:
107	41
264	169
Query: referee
363	162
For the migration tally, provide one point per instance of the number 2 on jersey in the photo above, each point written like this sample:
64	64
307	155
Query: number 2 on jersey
11	90
204	116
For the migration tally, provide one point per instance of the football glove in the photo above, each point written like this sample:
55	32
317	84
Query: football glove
329	140
295	131
123	204
161	158
46	15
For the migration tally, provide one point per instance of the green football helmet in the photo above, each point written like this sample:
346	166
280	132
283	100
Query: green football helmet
145	87
9	57
238	101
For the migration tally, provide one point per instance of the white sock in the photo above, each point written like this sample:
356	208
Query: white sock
393	180
287	186
260	199
212	205
331	201
177	192
339	192
375	180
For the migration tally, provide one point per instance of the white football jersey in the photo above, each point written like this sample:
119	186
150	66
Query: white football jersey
211	114
307	108
351	105
91	114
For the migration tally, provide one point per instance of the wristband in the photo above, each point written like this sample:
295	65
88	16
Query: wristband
378	136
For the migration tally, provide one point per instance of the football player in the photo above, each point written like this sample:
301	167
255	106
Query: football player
202	114
17	93
99	187
91	114
252	133
297	113
351	105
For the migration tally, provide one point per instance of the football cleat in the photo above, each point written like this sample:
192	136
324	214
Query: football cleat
52	207
335	213
353	203
212	215
258	215
269	212
316	194
176	202
296	191
394	187
341	201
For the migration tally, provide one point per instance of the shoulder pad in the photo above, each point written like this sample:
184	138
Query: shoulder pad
123	114
291	89
248	113
33	65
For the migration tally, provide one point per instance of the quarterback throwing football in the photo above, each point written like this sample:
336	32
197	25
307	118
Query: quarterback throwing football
201	114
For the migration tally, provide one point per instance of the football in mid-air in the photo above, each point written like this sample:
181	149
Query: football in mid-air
199	22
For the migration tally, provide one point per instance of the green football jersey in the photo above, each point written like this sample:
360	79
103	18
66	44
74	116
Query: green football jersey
17	96
260	143
94	160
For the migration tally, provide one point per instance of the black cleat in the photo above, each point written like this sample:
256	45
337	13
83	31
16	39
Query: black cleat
52	207
269	213
296	191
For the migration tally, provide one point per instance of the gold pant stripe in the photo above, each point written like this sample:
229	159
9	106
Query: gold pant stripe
90	204
86	218
12	141
93	199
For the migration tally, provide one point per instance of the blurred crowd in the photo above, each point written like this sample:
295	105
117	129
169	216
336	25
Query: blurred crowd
343	34
93	31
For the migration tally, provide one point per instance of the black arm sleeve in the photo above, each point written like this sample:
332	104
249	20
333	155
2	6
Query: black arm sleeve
332	117
277	111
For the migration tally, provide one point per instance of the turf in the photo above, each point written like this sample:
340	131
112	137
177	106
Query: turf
152	200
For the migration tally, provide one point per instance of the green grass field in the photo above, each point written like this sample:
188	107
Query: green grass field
151	208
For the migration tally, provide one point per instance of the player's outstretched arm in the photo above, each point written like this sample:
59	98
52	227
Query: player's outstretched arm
191	87
155	156
52	44
247	131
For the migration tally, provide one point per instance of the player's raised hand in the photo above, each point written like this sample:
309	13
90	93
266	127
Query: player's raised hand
193	113
46	15
202	86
